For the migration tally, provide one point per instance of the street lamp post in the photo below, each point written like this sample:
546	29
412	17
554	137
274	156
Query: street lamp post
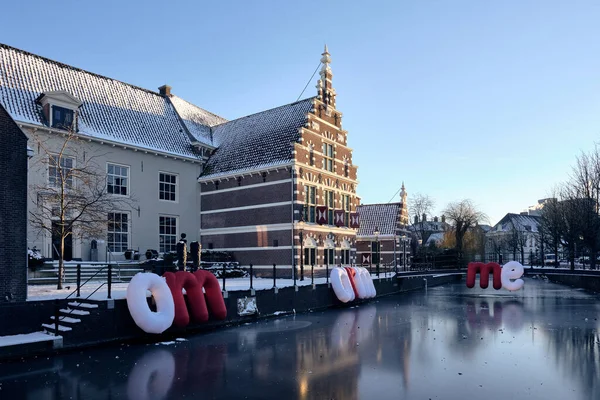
376	233
395	259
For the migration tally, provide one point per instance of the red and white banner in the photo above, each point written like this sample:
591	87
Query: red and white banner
321	215
354	220
338	217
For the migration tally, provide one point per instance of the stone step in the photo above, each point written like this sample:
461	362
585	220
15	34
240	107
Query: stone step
69	311
61	328
66	320
80	305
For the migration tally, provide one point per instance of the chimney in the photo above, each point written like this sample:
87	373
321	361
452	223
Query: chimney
416	219
443	218
435	219
424	217
165	90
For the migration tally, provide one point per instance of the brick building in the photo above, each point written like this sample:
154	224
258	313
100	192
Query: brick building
383	237
13	210
281	187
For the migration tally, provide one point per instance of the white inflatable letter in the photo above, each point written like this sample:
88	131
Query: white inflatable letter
512	270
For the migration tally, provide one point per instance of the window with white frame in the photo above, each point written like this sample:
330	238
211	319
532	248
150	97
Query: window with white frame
346	206
310	203
60	171
167	234
118	232
167	186
328	157
310	256
329	203
117	179
329	256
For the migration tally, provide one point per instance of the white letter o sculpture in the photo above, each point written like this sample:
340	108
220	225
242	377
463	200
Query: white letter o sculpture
340	282
146	319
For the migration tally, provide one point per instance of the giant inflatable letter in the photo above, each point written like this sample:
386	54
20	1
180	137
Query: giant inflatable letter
185	280
213	295
484	271
512	270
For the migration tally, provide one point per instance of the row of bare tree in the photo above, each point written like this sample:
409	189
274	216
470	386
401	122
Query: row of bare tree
570	219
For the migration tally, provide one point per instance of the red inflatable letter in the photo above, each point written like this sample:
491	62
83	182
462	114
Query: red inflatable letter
484	271
185	280
351	274
213	295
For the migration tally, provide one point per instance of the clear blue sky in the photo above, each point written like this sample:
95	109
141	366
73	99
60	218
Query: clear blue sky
484	100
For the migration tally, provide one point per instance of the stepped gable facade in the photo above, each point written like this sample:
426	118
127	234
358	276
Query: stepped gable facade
251	186
281	187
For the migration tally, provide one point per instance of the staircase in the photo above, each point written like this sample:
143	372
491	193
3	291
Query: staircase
70	316
48	273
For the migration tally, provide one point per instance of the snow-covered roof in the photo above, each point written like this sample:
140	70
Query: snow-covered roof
521	223
260	140
197	120
111	110
383	217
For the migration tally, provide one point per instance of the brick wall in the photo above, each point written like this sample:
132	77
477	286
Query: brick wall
13	211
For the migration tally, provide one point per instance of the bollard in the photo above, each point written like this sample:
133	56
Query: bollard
251	276
109	277
224	273
78	280
302	271
274	276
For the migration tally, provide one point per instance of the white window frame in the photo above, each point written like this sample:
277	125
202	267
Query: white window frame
63	157
128	232
176	218
176	184
328	157
128	185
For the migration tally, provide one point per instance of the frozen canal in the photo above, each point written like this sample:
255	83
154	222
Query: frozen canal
449	343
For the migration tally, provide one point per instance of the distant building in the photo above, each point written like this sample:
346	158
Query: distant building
13	210
514	237
383	236
429	231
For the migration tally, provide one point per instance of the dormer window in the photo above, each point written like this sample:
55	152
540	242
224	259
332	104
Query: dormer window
62	118
60	109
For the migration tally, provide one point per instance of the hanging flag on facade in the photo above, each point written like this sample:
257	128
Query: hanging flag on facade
354	220
321	215
366	258
339	217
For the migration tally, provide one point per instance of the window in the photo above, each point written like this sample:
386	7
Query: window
345	256
328	157
117	179
346	206
312	156
329	256
167	186
310	203
62	118
346	169
167	234
329	204
118	232
310	256
60	170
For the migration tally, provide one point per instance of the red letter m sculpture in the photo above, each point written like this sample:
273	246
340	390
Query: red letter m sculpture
484	271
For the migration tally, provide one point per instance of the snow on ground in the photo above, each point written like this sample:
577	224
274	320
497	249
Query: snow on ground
119	290
25	338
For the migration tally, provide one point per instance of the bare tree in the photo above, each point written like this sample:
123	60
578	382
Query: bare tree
74	201
551	225
418	206
462	215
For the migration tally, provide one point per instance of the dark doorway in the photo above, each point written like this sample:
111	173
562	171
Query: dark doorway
56	244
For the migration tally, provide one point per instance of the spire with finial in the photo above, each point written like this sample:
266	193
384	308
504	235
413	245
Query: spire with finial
403	194
324	86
